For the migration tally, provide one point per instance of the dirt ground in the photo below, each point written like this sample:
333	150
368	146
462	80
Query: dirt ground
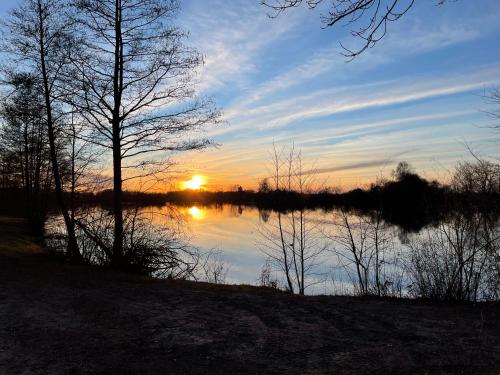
57	318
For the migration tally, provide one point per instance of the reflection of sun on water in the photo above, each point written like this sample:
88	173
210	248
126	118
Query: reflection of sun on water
196	213
196	183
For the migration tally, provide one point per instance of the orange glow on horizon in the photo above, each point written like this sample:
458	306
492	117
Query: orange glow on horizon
196	183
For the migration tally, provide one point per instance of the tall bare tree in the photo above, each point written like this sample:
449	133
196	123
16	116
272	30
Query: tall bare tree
136	90
37	38
290	240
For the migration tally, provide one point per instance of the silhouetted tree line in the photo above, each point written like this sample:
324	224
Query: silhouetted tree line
408	200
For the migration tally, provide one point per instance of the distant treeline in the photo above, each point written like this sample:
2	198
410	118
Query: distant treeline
409	201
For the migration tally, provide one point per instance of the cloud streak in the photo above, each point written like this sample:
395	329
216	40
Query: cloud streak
324	103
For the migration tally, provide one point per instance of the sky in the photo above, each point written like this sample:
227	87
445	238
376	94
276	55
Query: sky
417	96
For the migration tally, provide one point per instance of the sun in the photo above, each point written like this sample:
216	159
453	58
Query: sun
196	183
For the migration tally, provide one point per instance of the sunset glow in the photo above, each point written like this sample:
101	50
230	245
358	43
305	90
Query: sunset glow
196	183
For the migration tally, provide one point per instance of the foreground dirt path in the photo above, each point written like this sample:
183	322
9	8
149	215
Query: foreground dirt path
57	318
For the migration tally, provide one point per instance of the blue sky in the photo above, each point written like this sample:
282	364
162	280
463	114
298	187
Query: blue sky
416	96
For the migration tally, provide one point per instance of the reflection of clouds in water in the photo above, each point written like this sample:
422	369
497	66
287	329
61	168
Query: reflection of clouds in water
234	231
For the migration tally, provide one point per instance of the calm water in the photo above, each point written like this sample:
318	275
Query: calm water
248	241
232	230
245	237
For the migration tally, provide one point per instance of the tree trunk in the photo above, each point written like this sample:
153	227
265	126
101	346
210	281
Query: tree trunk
117	157
302	251
117	202
285	257
73	251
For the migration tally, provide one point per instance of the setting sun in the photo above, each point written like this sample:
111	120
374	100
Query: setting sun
196	183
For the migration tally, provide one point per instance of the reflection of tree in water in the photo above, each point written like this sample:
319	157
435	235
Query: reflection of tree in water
457	259
365	248
154	242
293	246
236	210
264	215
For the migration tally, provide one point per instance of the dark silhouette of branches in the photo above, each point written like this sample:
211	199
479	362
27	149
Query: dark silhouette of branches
291	241
24	150
364	245
368	20
457	261
154	244
494	98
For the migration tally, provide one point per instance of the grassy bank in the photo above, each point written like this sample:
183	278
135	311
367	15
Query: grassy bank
15	240
59	318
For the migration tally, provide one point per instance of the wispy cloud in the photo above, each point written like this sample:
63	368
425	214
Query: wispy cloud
379	163
391	97
231	35
323	103
328	59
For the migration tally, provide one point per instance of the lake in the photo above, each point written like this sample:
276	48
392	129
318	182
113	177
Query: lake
316	251
246	237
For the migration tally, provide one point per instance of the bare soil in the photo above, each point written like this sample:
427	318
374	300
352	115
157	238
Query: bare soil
57	318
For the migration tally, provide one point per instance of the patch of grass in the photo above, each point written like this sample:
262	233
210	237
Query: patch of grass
15	239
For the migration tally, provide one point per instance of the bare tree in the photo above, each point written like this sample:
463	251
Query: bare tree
368	19
355	250
82	172
291	241
456	261
264	186
24	143
363	245
402	170
136	90
266	278
212	268
37	38
480	176
493	98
